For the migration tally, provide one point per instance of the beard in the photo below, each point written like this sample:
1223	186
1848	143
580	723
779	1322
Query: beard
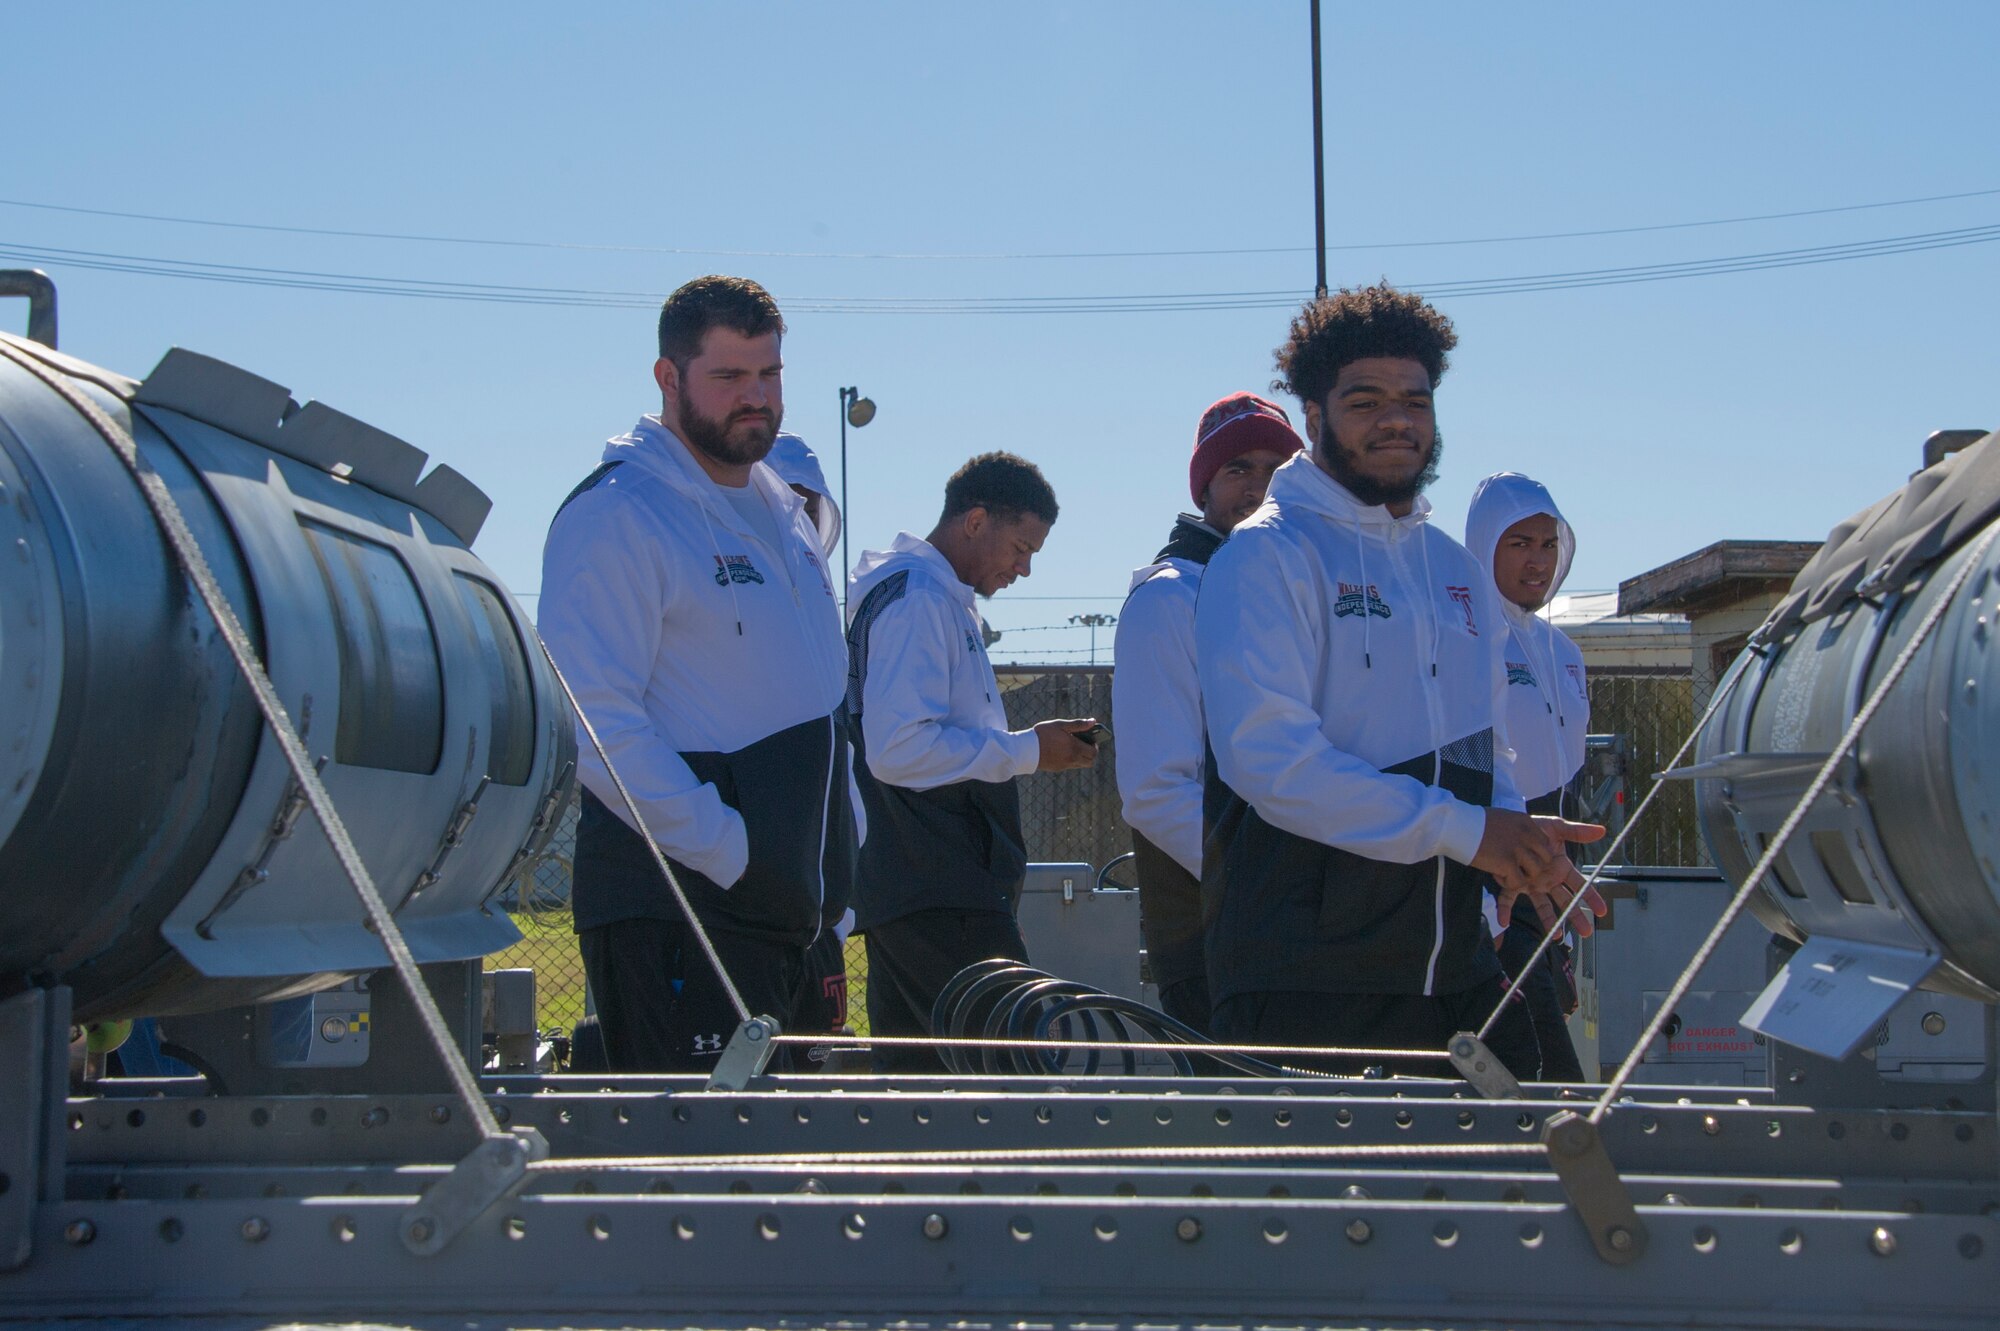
714	438
1371	491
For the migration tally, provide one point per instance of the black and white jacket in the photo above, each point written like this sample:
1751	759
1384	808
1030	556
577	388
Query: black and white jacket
1353	682
712	666
936	762
1157	702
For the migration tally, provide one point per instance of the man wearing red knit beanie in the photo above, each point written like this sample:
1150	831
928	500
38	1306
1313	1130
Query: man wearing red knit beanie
1154	694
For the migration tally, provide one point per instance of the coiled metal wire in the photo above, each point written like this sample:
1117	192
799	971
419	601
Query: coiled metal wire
1008	1000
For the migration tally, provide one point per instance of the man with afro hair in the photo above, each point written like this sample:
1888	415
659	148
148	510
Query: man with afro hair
1360	788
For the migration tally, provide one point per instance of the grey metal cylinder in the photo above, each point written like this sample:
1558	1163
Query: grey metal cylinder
154	849
1901	850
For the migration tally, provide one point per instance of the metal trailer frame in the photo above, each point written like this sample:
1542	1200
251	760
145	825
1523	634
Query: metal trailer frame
908	1202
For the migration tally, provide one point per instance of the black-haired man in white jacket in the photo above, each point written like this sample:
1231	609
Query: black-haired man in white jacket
1352	676
686	600
941	870
1514	529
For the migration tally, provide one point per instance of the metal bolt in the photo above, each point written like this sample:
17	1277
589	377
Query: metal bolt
440	1113
80	1232
421	1229
1187	1229
256	1229
375	1117
1711	1125
1359	1231
1883	1242
1933	1023
935	1226
1620	1238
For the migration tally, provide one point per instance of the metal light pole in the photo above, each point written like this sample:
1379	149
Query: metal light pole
1094	622
857	411
1319	160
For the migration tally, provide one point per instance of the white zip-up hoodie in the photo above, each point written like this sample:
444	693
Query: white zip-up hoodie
1352	679
929	705
937	760
1160	746
1548	698
679	630
1334	640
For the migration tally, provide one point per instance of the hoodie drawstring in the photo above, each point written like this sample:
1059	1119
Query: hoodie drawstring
1367	611
1430	599
722	568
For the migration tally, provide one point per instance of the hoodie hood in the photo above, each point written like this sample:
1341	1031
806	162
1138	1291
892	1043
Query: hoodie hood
1305	483
1500	501
1192	540
905	552
651	445
796	464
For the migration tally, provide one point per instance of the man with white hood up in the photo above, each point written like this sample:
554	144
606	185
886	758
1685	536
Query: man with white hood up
1360	793
821	1007
798	466
941	871
1239	442
686	601
1515	529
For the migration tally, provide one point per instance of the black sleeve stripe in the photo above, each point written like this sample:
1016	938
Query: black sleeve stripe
880	597
587	483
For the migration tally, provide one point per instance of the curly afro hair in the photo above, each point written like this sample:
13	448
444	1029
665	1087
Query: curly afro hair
1332	331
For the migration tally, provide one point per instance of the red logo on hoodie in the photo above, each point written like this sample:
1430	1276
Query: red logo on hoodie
1463	595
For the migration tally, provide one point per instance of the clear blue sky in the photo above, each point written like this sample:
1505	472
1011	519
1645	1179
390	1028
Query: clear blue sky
1665	415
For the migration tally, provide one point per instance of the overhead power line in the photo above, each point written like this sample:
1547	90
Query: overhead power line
693	251
1116	303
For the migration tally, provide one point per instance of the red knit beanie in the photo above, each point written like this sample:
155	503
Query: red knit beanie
1232	427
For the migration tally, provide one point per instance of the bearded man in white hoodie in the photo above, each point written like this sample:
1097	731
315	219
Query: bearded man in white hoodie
1352	676
941	871
686	600
1515	529
1238	443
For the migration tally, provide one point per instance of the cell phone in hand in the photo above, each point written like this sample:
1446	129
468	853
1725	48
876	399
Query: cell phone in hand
1100	731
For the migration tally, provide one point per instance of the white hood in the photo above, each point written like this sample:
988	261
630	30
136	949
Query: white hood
797	464
1500	501
906	551
1548	722
919	678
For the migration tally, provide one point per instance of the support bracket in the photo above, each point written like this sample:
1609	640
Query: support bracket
1480	1066
1596	1193
34	1085
496	1167
747	1053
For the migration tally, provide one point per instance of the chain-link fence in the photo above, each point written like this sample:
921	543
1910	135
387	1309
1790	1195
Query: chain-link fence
539	903
1070	817
1654	711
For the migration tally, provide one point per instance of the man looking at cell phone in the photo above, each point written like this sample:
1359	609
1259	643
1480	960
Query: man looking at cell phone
1354	682
1240	441
941	869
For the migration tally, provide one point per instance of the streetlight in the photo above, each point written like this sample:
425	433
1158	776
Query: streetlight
1094	622
857	411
